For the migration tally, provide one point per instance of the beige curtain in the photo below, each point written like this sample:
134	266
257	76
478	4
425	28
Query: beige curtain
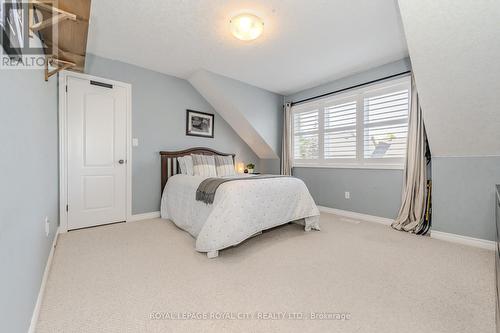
286	146
411	214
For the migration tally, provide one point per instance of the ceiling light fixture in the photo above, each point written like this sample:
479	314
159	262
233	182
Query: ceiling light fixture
246	26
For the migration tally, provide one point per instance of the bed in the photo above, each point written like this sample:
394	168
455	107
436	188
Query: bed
241	208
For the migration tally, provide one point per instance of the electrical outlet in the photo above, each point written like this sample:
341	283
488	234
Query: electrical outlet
47	226
348	195
135	142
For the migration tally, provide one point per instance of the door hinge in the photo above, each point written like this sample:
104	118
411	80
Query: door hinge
66	88
67	208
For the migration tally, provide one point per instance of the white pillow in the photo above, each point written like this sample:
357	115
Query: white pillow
224	166
182	165
188	161
204	165
186	165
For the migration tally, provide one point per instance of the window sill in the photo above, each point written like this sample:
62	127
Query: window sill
350	166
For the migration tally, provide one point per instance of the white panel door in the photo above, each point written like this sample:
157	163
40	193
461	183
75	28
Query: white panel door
97	153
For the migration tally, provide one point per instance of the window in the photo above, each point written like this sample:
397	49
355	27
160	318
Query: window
306	135
362	128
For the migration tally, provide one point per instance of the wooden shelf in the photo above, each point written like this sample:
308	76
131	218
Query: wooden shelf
64	31
60	65
58	15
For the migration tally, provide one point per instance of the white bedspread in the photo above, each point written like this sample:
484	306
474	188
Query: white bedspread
240	209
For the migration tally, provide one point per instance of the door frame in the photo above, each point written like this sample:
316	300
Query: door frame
63	143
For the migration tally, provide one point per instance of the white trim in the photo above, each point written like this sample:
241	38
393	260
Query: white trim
63	152
128	87
356	216
144	216
63	137
353	91
41	292
444	236
318	107
350	166
463	156
464	240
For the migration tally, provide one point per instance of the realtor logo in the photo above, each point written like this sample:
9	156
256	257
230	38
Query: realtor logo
22	46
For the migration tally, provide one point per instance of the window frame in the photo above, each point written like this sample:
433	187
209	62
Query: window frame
359	95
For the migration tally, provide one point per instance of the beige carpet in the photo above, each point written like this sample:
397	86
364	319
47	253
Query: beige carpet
113	278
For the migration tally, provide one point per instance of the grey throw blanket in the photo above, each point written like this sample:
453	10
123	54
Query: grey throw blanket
207	188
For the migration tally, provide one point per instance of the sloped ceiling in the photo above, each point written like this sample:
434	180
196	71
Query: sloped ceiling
305	42
254	113
454	48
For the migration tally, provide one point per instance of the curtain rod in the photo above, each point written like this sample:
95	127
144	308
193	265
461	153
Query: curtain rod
349	88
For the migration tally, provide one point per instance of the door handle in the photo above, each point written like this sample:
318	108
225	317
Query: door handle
121	161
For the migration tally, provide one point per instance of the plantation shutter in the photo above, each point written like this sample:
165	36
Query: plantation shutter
306	135
386	125
340	131
365	128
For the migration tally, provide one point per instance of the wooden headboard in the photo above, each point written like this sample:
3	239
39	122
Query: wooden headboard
170	166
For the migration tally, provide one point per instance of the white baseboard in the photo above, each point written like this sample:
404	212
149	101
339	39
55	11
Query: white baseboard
356	216
41	292
476	242
145	216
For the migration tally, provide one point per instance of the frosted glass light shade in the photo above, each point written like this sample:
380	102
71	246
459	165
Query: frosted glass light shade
246	26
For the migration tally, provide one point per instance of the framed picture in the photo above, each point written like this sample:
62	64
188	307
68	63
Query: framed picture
199	124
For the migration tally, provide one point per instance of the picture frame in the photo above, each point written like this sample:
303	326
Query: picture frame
200	124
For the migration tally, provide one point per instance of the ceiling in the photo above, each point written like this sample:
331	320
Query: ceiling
455	52
305	42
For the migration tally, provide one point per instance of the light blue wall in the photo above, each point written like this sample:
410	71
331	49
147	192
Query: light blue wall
463	187
159	104
270	166
253	112
374	192
28	190
349	81
261	108
464	195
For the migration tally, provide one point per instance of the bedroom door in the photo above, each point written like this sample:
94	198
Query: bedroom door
96	153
